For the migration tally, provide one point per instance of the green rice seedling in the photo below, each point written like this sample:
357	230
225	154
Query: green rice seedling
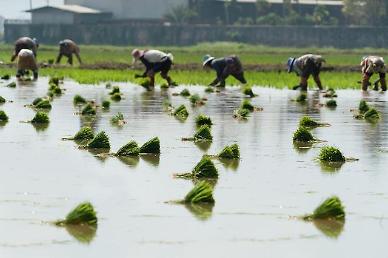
302	134
115	90
241	113
5	77
11	85
106	104
40	118
203	134
246	104
129	149
79	100
100	141
209	89
372	115
230	152
44	104
118	119
308	122
89	110
108	85
84	213
201	193
363	107
55	90
3	116
204	169
54	81
84	134
247	90
302	98
331	103
152	146
330	209
116	97
196	100
2	100
185	93
50	94
331	154
181	112
330	93
203	120
36	101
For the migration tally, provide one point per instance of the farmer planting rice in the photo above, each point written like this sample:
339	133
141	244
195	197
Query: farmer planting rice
369	66
224	67
25	43
305	66
26	61
155	62
67	48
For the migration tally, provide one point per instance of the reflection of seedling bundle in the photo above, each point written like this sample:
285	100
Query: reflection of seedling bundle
302	98
40	118
203	120
118	119
330	209
89	110
100	141
204	169
3	116
83	135
201	193
203	134
79	100
331	103
308	122
83	214
331	154
181	112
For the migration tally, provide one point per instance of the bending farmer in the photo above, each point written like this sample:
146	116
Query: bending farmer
25	43
155	62
369	66
67	48
224	67
26	61
305	66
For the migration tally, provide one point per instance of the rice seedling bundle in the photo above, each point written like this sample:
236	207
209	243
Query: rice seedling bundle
203	134
11	85
3	116
88	110
241	113
84	134
44	104
307	121
129	149
331	208
201	193
100	141
203	120
331	103
363	107
246	104
372	115
118	119
302	134
248	91
2	100
79	100
331	154
181	112
205	169
84	213
152	146
115	90
106	104
301	98
230	152
40	118
116	97
185	93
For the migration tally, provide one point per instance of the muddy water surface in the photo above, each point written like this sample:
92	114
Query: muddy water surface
42	178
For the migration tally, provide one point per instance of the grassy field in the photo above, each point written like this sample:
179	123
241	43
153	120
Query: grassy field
249	54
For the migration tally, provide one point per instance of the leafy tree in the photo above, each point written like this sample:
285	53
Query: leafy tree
361	12
180	14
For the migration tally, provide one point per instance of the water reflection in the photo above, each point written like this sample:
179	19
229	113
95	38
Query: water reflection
331	167
231	164
302	147
40	127
130	161
152	159
82	233
330	228
201	211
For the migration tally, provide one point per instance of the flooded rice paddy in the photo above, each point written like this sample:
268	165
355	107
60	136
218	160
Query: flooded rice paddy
257	198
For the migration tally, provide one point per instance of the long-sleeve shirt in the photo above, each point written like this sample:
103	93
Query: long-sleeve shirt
373	64
26	60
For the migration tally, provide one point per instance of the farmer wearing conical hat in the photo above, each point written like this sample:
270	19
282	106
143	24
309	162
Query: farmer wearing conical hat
26	61
25	43
67	48
305	66
369	66
155	62
224	67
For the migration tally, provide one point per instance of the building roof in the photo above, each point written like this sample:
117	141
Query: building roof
67	8
305	2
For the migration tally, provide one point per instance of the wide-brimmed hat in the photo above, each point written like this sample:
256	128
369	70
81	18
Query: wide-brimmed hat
290	63
136	53
206	59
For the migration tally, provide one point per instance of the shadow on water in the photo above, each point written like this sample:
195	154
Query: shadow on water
40	127
231	164
203	211
330	228
331	167
203	146
302	148
99	154
82	233
152	159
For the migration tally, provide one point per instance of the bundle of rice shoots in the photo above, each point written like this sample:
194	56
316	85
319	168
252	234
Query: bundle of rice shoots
106	104
40	118
129	149
301	98
307	121
363	107
331	154
185	93
84	213
205	169
11	85
203	134
195	99
181	112
118	119
241	113
89	110
116	97
209	89
331	208
330	93
152	146
203	120
372	114
246	104
115	90
230	152
5	77
100	141
201	193
302	134
3	116
79	100
84	134
248	91
2	100
331	103
54	81
36	101
44	104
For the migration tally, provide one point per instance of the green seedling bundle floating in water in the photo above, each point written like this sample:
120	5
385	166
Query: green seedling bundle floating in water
83	214
203	120
2	100
196	100
203	134
308	122
209	89
363	107
303	135
54	90
118	119
202	193
185	93
106	104
246	104
55	81
247	90
331	154
100	141
372	115
330	93
331	103
330	209
302	98
367	112
5	77
230	152
241	114
43	104
116	97
3	116
89	110
40	118
181	112
132	148
11	85
79	100
115	90
85	134
151	147
205	169
129	149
